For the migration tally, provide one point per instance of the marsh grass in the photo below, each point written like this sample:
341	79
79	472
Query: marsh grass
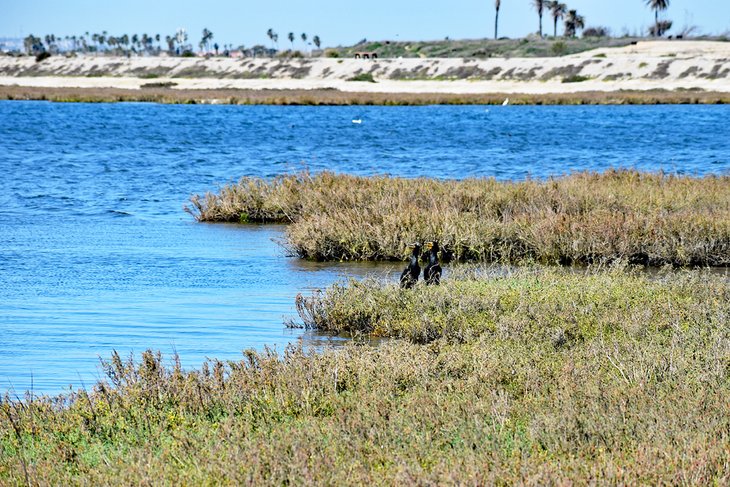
608	378
650	219
565	306
336	97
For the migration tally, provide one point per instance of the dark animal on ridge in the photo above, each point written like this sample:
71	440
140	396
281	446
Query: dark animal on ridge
410	274
432	272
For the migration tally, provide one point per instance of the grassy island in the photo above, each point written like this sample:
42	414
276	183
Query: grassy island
650	219
532	376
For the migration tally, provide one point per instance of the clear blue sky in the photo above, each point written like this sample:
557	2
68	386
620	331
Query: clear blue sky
336	22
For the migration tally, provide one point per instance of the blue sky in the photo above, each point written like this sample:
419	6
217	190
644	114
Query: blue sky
336	22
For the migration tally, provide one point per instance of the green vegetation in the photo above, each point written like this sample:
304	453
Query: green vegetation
534	376
576	78
366	77
482	48
523	303
652	219
336	97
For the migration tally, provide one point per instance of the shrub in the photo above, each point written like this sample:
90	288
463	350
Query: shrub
367	77
576	78
559	48
42	56
597	32
660	28
331	53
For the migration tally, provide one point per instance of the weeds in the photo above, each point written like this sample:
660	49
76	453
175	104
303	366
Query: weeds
650	219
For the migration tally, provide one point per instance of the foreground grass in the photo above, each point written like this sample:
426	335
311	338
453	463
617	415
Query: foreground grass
538	377
650	219
335	97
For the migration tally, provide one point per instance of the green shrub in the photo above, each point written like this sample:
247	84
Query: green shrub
559	48
367	77
576	78
42	56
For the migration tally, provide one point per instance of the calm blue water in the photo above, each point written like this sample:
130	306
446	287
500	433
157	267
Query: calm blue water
96	253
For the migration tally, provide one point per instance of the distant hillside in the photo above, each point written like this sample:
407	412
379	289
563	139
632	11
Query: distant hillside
531	46
480	48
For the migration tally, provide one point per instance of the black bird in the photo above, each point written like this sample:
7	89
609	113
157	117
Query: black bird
432	272
410	274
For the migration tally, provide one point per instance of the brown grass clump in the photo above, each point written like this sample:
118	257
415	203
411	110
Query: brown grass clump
652	219
622	380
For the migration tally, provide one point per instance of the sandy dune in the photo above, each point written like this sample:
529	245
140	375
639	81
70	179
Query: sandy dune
698	65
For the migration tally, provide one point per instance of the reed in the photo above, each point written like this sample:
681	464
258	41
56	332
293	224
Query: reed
645	218
608	378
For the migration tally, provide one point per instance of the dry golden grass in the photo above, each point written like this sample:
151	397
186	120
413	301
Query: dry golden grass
652	219
335	97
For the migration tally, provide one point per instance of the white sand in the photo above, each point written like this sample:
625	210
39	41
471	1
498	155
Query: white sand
648	65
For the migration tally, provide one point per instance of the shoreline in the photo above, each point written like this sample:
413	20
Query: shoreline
648	72
333	97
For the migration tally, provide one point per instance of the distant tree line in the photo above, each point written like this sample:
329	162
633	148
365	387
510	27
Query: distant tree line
573	22
143	44
177	44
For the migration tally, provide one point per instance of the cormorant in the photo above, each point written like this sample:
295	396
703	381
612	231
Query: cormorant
432	272
410	274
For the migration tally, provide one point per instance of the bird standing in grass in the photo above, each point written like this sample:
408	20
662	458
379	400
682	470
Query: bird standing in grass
432	272
410	274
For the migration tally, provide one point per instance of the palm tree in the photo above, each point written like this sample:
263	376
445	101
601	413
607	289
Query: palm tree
558	11
573	22
657	5
207	36
271	34
291	39
497	4
317	41
539	6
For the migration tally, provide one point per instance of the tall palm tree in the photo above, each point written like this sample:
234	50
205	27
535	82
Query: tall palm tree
317	41
497	4
291	39
573	22
205	40
657	5
558	11
539	6
270	33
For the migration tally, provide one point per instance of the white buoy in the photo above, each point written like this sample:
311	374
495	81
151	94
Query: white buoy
505	102
357	120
